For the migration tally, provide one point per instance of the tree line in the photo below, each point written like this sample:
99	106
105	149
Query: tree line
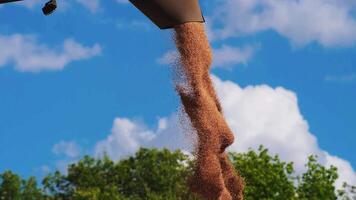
155	174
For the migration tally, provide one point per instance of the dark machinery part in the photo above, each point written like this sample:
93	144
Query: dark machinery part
164	13
169	13
49	7
8	1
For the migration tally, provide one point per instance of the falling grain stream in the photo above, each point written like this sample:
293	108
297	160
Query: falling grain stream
214	177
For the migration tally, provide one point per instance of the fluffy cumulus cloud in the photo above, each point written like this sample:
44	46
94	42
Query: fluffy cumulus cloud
271	116
128	136
225	56
328	22
257	115
125	138
28	55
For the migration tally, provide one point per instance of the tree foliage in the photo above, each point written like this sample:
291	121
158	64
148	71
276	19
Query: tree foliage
266	177
162	175
12	187
317	182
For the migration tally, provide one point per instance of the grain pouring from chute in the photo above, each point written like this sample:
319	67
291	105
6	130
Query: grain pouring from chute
214	177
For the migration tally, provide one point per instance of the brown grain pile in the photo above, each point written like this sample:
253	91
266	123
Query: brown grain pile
214	176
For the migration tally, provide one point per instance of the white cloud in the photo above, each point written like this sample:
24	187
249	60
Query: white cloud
69	151
271	116
227	56
128	136
125	138
328	22
264	115
224	57
256	114
28	55
66	148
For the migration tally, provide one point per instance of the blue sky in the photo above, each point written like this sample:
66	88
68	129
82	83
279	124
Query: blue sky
95	75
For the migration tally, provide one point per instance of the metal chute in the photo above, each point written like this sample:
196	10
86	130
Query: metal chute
169	13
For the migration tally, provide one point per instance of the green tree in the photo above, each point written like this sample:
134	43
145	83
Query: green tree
153	174
30	190
318	182
10	186
150	174
266	177
56	186
156	172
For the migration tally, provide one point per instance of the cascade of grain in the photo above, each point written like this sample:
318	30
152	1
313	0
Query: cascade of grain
214	176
